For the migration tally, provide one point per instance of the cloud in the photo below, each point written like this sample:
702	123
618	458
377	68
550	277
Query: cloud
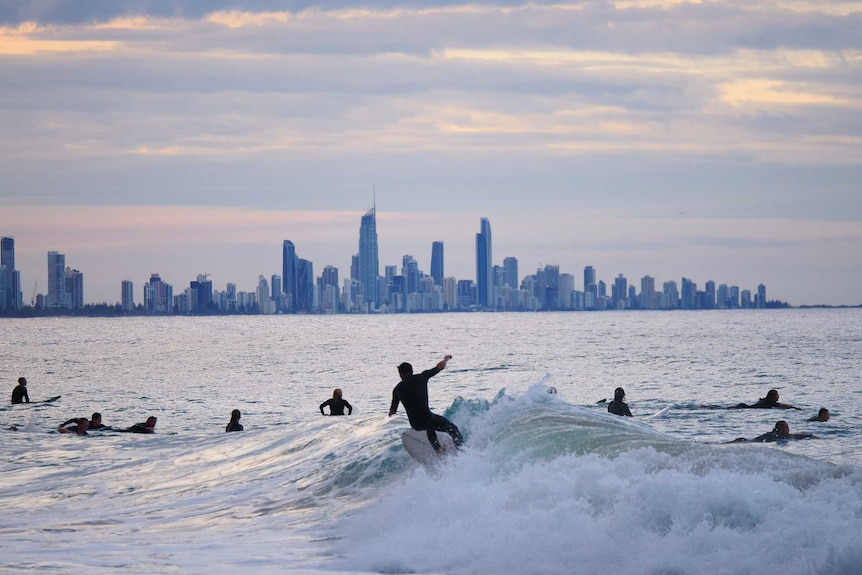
639	110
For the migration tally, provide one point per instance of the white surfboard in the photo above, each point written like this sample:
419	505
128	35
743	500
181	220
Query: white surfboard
663	411
417	445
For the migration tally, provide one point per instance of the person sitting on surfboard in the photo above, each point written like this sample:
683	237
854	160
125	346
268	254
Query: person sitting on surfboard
618	406
234	424
19	394
336	404
412	391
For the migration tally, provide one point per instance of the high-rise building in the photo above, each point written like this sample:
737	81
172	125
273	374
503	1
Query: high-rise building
158	295
709	290
590	280
10	294
369	263
760	298
437	263
203	288
619	292
410	271
648	295
57	280
304	285
289	263
510	267
484	279
327	286
688	294
74	281
128	295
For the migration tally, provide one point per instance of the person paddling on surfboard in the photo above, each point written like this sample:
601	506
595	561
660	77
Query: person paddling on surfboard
19	394
412	391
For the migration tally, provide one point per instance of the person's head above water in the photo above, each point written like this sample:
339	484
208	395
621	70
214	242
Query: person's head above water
619	394
782	429
22	381
336	393
772	395
405	369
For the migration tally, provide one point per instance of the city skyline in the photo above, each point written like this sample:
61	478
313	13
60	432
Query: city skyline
190	138
495	286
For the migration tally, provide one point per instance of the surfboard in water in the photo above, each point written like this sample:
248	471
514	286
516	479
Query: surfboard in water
661	412
417	445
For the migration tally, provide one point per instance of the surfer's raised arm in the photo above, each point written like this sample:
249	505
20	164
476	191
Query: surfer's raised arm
441	365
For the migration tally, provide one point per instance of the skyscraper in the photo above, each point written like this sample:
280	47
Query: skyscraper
288	274
484	279
510	265
304	285
9	295
57	280
74	281
128	295
410	271
369	263
437	263
590	280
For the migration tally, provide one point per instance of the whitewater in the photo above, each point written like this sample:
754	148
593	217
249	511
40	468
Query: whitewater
548	483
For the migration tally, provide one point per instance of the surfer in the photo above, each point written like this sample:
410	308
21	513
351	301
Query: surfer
412	391
768	402
822	415
94	423
147	427
618	406
781	432
234	424
80	427
19	394
336	404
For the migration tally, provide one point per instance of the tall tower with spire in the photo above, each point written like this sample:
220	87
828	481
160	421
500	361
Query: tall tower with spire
484	279
369	263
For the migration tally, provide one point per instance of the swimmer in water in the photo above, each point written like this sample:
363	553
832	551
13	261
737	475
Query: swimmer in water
781	432
768	402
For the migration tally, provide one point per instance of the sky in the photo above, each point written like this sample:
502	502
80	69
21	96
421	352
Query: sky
709	140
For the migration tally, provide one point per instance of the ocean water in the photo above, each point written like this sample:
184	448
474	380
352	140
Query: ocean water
548	483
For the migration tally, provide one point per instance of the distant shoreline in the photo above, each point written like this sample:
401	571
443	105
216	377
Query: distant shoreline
104	310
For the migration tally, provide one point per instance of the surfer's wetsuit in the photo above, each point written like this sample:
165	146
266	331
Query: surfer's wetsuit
412	391
20	395
336	406
762	403
619	408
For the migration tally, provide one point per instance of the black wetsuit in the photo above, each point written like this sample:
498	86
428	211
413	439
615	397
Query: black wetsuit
412	391
762	403
138	428
336	406
74	428
619	408
233	426
94	426
20	395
